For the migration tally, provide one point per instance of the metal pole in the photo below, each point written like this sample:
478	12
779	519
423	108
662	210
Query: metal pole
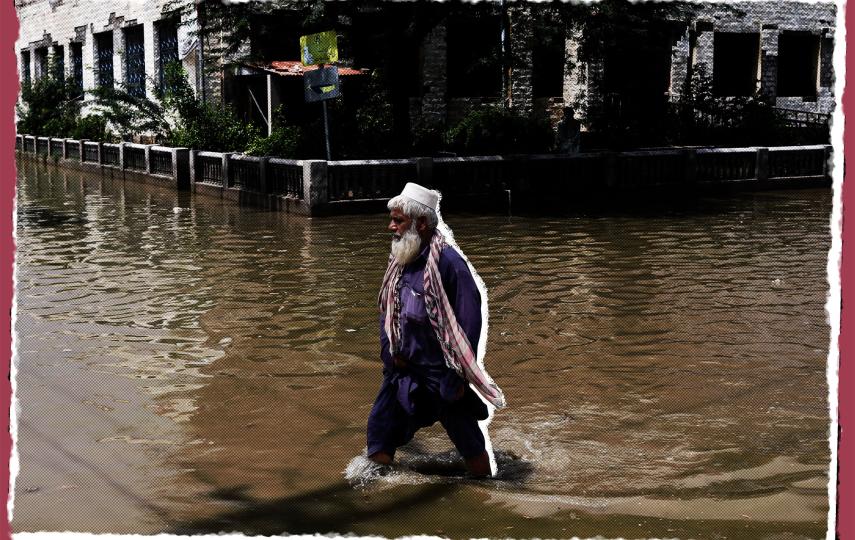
326	130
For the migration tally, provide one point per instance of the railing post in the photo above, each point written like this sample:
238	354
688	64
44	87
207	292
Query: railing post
263	166
690	164
181	167
148	159
50	147
194	167
224	170
315	183
762	167
122	155
65	149
610	169
82	143
100	153
826	163
424	170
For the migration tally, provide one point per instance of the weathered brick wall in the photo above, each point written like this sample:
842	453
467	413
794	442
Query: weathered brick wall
434	109
770	19
520	91
548	108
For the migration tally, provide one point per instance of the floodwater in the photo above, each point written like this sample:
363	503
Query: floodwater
188	366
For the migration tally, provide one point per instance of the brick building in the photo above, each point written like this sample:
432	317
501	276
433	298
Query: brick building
441	60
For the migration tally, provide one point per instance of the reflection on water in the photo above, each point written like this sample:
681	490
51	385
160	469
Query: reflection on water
190	366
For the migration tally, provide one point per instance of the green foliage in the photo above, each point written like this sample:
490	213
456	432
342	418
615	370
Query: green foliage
494	130
50	108
282	142
129	115
201	125
93	128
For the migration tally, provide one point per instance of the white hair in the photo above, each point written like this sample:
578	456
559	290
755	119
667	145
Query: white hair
414	210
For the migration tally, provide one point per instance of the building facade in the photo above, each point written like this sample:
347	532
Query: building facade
106	44
460	57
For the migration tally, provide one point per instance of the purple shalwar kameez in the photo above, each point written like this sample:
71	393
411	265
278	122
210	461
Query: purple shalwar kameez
424	391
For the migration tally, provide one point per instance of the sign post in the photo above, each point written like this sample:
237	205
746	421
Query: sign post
322	83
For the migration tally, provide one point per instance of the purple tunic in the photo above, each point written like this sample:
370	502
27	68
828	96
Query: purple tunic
419	346
424	392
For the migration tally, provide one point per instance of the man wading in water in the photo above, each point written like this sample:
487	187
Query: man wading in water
430	324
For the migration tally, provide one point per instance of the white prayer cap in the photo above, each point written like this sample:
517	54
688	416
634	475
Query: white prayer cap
423	195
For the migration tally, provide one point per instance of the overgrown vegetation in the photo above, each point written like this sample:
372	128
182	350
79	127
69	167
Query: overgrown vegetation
201	125
495	130
52	107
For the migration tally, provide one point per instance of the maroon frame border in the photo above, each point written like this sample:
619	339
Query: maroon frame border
8	97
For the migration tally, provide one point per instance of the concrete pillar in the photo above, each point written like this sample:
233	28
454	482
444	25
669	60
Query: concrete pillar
148	158
679	67
521	98
424	170
262	172
100	153
194	171
122	155
690	164
314	183
149	60
89	60
65	149
703	57
610	169
82	143
762	166
181	167
118	57
50	147
435	76
769	61
225	169
576	89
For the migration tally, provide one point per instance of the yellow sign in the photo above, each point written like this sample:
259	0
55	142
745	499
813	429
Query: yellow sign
320	48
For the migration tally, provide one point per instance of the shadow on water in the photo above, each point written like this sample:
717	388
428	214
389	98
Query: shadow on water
419	481
332	509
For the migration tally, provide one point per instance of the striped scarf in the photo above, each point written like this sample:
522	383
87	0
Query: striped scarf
456	348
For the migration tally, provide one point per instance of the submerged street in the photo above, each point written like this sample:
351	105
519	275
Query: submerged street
186	365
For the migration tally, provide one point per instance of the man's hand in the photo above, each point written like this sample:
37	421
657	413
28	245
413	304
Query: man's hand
399	362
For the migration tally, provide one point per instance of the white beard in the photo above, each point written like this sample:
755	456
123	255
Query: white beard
406	247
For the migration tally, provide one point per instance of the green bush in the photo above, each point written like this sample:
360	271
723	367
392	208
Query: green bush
130	115
494	130
202	125
50	108
93	128
282	142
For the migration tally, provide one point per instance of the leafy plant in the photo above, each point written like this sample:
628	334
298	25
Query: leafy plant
494	130
129	115
201	125
282	142
50	108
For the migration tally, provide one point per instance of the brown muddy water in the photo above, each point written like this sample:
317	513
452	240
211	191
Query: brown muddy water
188	366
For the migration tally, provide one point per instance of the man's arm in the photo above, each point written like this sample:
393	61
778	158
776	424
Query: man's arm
463	294
385	355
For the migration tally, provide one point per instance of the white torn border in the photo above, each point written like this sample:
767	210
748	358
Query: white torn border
482	340
14	409
832	307
833	302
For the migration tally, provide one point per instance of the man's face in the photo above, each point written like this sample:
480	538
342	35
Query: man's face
406	240
399	222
